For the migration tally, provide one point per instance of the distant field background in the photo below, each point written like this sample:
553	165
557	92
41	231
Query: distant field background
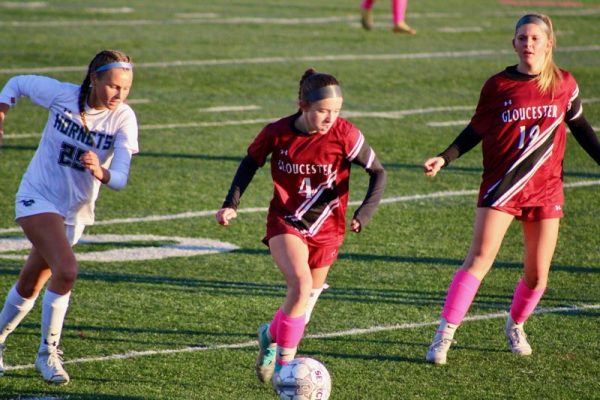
208	76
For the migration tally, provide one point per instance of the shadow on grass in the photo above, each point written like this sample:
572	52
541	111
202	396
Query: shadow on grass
238	158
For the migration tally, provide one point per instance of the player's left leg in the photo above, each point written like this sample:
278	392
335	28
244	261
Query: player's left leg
398	17
319	275
540	242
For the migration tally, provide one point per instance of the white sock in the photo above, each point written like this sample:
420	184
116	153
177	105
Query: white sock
53	315
16	307
446	329
312	301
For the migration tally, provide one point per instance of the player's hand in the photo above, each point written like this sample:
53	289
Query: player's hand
90	161
433	165
355	225
224	215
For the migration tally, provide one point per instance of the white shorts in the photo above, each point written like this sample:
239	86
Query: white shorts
26	206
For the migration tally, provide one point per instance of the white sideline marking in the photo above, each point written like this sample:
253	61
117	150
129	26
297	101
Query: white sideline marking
460	29
137	101
207	124
230	108
210	18
348	332
442	124
109	10
346	114
197	15
183	247
22	135
24	5
273	60
211	213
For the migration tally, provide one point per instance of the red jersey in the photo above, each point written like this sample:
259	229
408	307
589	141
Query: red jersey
311	175
523	140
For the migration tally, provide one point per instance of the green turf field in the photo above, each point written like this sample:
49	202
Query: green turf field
208	76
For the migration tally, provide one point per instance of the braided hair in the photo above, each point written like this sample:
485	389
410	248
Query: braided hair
100	59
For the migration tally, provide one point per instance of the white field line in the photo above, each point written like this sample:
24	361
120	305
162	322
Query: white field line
348	332
273	60
346	114
110	10
24	5
211	213
443	124
21	135
397	114
462	29
137	101
230	108
210	18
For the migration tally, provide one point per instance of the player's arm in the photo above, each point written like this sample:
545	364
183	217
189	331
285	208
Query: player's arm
3	110
367	159
241	180
464	142
582	130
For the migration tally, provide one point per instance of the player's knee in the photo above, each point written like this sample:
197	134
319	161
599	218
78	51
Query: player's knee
66	274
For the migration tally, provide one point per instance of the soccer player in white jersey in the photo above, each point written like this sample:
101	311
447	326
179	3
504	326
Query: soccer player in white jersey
88	140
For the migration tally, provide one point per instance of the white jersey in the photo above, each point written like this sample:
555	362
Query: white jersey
55	172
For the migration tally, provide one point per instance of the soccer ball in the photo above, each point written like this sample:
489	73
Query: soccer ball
303	379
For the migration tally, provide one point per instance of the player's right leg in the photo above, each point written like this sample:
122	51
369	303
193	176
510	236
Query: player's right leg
490	227
46	231
366	14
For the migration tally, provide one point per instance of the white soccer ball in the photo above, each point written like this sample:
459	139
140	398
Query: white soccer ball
303	379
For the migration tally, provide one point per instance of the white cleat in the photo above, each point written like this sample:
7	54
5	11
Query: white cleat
438	350
2	348
50	366
517	338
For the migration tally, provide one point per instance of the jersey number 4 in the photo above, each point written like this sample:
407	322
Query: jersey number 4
306	188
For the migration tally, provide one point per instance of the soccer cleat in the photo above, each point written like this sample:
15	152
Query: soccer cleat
403	27
517	338
366	19
265	362
438	350
2	347
50	366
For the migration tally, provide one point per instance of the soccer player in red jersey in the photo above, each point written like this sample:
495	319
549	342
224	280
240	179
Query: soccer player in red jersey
311	156
519	121
398	14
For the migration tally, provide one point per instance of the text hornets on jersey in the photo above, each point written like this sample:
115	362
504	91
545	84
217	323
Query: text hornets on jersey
73	130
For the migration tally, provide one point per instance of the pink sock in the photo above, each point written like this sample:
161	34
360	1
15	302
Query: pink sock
290	330
367	4
398	11
274	325
524	302
460	295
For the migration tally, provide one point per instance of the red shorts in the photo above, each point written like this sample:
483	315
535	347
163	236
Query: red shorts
532	214
318	255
